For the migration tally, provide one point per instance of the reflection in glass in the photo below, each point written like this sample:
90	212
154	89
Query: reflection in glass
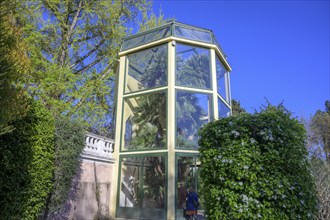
192	67
192	111
146	38
142	188
147	69
130	179
193	34
145	122
187	176
224	111
221	83
154	183
128	130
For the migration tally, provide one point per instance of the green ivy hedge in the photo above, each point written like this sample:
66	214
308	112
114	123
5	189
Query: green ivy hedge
69	144
27	165
256	167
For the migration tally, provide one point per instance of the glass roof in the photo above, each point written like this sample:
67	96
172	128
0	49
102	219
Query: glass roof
171	28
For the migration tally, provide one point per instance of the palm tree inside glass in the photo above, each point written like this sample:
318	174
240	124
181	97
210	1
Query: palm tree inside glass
146	119
192	108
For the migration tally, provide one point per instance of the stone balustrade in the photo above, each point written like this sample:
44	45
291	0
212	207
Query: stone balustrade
98	148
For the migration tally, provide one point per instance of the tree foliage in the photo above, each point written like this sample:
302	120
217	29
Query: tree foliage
256	166
14	66
237	108
27	164
150	20
320	128
63	53
73	47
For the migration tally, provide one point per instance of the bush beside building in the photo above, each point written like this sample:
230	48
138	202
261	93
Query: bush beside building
255	166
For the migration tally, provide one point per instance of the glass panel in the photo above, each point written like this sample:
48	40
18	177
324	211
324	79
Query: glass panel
147	69
187	176
128	130
144	124
130	178
142	188
154	182
193	67
193	34
146	38
224	111
221	83
228	88
219	47
192	111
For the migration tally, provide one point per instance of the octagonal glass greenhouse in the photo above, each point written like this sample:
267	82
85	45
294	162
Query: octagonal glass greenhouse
171	80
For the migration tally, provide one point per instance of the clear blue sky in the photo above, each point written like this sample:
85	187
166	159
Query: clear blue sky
278	50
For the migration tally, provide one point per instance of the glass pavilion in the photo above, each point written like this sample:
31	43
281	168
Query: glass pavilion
171	80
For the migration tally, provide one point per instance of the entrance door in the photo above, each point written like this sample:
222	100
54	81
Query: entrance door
142	193
187	175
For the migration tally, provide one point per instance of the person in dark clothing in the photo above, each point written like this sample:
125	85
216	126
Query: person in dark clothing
191	204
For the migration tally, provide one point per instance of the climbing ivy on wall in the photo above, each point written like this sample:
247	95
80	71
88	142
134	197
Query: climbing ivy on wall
254	166
27	164
69	144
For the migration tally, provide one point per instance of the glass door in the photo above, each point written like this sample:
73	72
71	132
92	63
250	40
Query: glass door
187	175
142	185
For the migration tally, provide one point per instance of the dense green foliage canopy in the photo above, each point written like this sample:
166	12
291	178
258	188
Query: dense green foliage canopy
256	166
27	164
72	48
14	66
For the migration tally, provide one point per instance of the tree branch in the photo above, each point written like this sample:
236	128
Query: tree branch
101	77
89	65
88	54
67	33
74	22
85	39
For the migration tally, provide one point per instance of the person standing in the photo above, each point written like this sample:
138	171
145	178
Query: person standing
191	204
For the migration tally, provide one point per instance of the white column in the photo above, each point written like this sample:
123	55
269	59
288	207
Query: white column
171	133
214	85
119	109
228	91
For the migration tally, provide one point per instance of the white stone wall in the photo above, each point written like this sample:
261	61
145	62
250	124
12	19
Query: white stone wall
94	184
93	174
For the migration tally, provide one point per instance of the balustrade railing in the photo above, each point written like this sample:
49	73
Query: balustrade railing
98	147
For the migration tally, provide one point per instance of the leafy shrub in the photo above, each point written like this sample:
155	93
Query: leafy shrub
27	164
69	144
256	167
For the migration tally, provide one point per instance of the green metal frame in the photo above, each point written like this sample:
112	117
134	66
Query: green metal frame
211	107
177	155
227	100
172	25
121	150
126	72
170	152
210	71
141	174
